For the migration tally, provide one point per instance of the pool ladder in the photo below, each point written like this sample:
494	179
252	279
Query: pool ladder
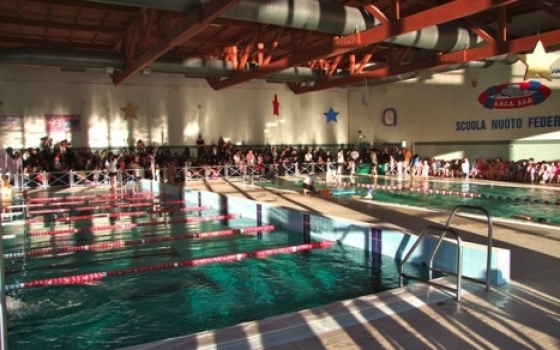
443	231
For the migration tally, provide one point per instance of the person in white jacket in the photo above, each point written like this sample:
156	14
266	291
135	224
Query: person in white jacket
113	168
309	184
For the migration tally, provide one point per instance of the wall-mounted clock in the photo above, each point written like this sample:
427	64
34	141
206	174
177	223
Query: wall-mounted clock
390	117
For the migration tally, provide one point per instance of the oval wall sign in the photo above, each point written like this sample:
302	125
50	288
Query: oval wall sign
515	95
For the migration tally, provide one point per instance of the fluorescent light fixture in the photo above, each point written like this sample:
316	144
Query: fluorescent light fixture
109	70
146	71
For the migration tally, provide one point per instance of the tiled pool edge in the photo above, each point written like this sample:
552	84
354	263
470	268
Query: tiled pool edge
284	329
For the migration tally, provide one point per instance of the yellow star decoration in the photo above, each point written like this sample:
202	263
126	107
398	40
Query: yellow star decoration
538	63
129	110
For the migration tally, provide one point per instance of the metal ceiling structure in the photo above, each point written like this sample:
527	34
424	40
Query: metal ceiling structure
310	45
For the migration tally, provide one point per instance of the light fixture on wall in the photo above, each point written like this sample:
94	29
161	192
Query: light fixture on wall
146	71
109	70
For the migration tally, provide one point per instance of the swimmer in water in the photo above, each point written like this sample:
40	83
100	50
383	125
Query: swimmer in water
12	304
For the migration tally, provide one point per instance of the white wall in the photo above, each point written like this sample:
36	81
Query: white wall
429	108
171	108
174	110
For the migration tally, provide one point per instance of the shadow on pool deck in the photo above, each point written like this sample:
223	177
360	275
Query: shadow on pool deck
521	315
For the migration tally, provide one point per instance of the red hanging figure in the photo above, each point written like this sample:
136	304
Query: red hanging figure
275	106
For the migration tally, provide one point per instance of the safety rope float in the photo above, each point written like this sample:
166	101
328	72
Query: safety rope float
139	242
448	193
97	276
95	196
93	207
73	218
97	201
127	226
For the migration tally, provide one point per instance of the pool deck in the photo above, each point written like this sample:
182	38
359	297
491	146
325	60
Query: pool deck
524	314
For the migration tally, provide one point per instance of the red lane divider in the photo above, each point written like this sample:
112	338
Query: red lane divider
97	276
35	205
95	201
94	207
133	202
74	218
66	210
49	211
94	196
445	192
138	242
70	231
442	192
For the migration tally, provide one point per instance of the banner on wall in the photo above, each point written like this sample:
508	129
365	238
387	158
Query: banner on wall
63	122
514	95
11	122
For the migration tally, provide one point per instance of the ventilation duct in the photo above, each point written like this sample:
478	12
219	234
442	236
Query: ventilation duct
322	17
192	67
309	14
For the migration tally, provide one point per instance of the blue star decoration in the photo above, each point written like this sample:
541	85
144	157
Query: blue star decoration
331	115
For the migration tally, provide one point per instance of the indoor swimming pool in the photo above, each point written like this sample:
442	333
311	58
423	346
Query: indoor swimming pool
528	203
108	271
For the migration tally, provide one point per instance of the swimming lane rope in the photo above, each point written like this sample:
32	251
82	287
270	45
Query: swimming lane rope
126	226
139	242
97	207
449	193
96	201
95	196
73	218
97	276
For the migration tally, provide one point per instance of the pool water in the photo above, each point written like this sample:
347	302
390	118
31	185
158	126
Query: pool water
138	308
536	202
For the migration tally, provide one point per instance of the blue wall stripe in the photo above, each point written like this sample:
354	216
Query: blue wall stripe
259	214
306	228
375	250
224	209
199	202
259	219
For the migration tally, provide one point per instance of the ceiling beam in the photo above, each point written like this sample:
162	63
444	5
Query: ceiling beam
495	48
193	23
59	25
547	8
433	16
55	44
88	4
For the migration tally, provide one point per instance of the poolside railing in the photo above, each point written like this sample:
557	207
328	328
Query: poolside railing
73	178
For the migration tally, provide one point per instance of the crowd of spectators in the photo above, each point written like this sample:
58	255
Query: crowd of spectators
61	157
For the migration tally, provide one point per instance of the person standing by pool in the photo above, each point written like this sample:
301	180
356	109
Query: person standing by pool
113	168
369	194
309	183
340	161
466	167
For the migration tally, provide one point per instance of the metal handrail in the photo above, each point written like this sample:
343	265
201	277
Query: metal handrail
447	229
490	237
459	274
